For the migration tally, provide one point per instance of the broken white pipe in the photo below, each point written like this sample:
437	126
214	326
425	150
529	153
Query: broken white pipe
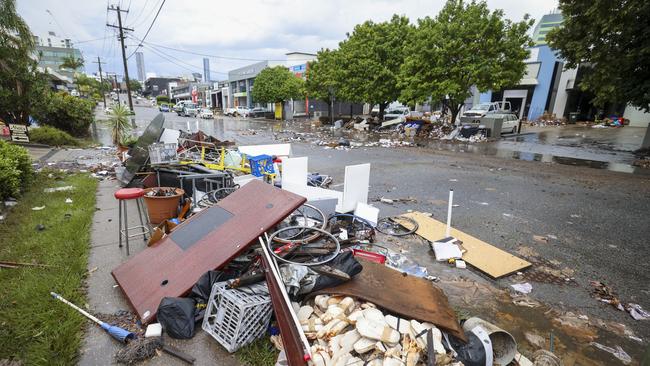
451	199
275	273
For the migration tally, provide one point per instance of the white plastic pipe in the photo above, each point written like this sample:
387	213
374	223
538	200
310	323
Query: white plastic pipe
451	200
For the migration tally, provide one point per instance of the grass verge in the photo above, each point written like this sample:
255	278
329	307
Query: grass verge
35	328
259	353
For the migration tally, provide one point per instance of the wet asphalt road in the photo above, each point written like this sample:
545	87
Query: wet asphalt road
596	221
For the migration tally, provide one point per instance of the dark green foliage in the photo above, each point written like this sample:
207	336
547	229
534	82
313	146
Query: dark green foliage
51	136
16	170
465	45
614	37
162	99
65	112
277	84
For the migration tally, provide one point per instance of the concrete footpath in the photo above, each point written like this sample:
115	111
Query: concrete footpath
105	297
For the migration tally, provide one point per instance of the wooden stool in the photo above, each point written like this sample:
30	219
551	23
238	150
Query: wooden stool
123	195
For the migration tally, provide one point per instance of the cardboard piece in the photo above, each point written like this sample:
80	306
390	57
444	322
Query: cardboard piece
206	241
486	258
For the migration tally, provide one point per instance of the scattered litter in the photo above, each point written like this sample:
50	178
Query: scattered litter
526	302
524	288
68	200
618	352
38	208
40	227
153	330
58	189
446	249
460	264
540	239
11	203
637	312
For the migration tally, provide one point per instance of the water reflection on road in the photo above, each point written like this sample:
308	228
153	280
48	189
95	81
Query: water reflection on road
568	145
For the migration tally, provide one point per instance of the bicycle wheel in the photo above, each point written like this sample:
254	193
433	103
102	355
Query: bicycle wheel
397	225
305	216
355	226
325	248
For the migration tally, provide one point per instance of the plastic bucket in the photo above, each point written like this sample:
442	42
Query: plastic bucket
161	208
504	345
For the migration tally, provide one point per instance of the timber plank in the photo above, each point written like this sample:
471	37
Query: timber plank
486	258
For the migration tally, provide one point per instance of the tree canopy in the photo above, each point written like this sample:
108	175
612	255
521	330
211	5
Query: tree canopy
277	84
613	37
21	84
465	45
70	62
372	56
323	77
135	85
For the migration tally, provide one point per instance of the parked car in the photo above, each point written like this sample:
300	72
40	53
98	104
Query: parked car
242	110
190	110
401	112
510	122
206	113
483	109
163	107
178	107
256	112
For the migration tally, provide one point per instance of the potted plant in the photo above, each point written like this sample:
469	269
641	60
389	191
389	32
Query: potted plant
120	127
162	203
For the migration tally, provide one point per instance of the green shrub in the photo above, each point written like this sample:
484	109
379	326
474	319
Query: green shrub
51	136
65	112
16	170
162	99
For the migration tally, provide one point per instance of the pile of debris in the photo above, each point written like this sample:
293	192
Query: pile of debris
548	119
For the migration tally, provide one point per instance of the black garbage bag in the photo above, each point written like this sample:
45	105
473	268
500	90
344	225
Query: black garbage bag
177	315
343	262
202	288
472	353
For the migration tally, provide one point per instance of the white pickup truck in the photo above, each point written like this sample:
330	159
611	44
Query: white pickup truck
481	110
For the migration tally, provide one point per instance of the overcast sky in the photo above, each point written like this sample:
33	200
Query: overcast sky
251	29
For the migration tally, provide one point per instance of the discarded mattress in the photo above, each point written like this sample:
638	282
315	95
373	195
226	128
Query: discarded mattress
408	296
206	241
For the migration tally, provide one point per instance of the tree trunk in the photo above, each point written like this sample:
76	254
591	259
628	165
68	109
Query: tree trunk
454	109
382	107
330	110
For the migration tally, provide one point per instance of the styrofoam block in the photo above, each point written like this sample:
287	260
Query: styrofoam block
367	212
355	187
280	150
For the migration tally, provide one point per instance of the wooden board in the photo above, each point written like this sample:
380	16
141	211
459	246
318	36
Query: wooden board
170	268
485	257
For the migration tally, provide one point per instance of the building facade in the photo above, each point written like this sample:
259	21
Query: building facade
545	25
52	50
159	86
206	70
139	60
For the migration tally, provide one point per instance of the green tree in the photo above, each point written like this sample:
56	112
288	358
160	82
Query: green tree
465	45
67	113
277	85
162	99
612	37
72	63
371	57
323	77
135	85
21	85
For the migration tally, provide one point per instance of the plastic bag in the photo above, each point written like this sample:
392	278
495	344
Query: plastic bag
177	316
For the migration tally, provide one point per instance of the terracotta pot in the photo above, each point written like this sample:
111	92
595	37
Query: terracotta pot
161	208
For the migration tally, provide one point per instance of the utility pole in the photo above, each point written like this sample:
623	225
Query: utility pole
126	68
101	80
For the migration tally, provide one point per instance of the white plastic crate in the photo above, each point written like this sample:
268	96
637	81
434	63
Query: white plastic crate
236	318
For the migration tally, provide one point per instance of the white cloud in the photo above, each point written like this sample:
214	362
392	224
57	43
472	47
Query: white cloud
256	29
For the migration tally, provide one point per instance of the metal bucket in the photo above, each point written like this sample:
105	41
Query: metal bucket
504	345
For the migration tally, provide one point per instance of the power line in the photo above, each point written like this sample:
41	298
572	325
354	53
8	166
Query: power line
148	30
217	56
140	13
169	57
145	19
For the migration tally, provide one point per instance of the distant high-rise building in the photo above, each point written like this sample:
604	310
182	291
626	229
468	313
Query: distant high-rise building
206	69
52	50
548	22
139	60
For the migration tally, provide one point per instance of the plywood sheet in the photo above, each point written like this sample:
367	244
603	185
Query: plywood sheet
485	257
171	268
409	296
